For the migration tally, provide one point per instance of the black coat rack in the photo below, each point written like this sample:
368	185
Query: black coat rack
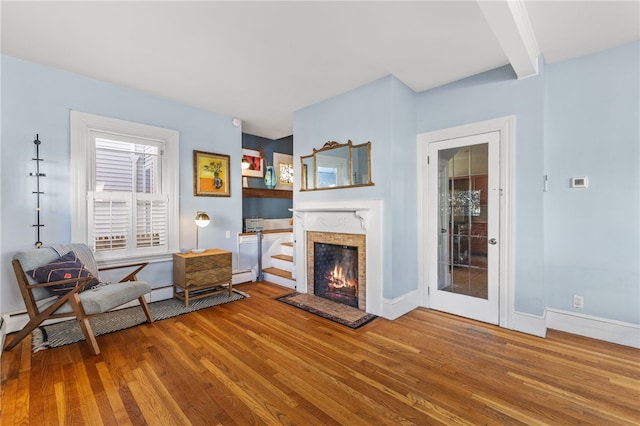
38	192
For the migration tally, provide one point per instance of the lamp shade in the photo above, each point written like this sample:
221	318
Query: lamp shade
202	219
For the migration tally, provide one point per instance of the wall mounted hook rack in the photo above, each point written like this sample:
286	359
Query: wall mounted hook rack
38	191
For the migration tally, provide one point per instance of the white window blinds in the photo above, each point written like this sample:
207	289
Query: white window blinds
129	210
124	186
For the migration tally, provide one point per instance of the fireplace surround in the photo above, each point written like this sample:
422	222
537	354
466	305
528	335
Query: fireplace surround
336	267
352	223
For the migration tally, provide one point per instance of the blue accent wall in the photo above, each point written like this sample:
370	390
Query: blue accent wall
266	208
592	236
37	99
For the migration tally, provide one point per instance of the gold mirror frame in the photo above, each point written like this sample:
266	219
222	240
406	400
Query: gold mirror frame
344	172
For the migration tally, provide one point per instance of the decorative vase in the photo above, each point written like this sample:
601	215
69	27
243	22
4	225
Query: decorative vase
217	182
270	177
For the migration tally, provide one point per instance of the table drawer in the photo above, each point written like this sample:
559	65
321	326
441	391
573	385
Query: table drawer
207	276
201	263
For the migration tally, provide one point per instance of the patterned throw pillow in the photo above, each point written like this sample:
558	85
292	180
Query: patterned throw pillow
63	268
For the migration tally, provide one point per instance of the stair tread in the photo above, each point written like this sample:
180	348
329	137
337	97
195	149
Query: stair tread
288	244
284	257
279	272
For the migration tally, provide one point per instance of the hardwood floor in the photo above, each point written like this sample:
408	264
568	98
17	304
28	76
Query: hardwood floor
259	361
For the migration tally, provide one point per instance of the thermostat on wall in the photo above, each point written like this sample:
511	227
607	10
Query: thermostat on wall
580	182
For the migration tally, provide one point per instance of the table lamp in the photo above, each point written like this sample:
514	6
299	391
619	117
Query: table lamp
202	220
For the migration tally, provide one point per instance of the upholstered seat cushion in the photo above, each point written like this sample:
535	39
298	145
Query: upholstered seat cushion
102	298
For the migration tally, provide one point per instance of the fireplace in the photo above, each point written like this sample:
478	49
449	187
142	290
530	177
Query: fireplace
350	223
337	269
336	273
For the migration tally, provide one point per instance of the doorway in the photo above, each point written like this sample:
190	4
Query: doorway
465	219
464	226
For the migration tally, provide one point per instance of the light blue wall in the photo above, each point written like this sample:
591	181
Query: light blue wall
592	236
37	99
403	206
381	112
490	95
576	118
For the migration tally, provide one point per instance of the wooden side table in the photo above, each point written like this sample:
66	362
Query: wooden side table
198	275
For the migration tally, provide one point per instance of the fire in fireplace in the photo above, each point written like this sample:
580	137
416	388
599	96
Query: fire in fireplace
336	273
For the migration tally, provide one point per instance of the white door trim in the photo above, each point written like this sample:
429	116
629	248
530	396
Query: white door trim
506	127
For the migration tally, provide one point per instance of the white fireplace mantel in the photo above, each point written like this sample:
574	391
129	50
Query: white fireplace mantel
344	216
364	213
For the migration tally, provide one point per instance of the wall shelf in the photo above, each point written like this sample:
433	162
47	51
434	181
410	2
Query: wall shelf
266	193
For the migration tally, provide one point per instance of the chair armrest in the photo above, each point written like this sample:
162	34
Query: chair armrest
132	275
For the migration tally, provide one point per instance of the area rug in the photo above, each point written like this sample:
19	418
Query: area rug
67	332
337	312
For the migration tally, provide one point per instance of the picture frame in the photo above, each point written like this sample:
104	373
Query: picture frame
211	174
256	163
283	164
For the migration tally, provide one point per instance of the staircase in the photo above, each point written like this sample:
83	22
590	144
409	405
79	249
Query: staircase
281	269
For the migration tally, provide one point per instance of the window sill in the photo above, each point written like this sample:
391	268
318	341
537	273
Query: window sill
154	258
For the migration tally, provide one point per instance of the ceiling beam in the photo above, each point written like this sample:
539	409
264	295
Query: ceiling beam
510	24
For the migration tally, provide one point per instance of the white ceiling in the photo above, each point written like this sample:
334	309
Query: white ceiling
261	61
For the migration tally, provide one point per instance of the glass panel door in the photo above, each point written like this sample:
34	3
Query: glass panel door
464	225
463	207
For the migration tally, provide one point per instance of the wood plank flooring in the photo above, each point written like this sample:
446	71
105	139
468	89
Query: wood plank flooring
262	362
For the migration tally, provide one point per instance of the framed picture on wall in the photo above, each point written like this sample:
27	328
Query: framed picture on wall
211	177
284	169
256	163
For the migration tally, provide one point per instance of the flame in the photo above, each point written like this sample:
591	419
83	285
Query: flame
337	279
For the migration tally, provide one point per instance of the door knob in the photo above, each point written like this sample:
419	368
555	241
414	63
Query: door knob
493	241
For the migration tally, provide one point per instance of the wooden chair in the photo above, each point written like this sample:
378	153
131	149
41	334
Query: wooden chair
42	305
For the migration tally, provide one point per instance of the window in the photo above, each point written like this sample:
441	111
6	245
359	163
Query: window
124	180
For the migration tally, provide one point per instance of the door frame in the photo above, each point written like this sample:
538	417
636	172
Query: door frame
506	126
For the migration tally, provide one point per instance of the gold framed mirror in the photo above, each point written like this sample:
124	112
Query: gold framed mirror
336	165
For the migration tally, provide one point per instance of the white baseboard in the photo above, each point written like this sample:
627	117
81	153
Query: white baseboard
15	321
528	323
395	308
622	333
243	277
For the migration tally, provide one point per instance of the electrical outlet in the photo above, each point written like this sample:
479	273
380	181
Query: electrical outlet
228	234
578	301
